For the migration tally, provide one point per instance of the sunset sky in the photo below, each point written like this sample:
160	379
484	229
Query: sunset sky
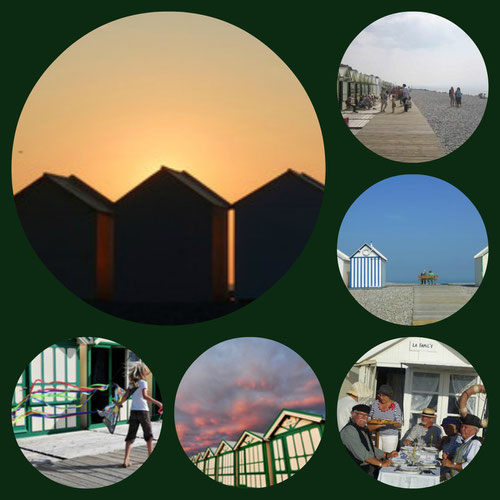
181	90
241	384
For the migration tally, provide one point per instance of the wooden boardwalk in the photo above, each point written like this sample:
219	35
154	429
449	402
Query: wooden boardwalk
93	471
433	303
405	137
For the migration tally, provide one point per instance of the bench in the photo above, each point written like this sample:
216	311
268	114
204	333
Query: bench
428	279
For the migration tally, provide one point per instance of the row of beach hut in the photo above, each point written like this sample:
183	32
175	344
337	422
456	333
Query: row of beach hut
258	460
167	239
351	82
365	268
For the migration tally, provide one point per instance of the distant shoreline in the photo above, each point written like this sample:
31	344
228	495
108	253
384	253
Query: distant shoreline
470	94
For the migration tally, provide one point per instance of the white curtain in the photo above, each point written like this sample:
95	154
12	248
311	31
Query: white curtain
427	384
459	384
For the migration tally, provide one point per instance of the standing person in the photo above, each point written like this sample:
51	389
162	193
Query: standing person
451	94
406	95
385	407
384	98
357	392
393	102
139	411
458	97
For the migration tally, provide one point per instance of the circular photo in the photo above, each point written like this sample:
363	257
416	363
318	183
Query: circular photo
412	250
412	87
249	412
159	166
412	412
86	412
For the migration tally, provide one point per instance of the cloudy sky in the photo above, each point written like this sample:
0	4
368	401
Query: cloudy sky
421	50
241	384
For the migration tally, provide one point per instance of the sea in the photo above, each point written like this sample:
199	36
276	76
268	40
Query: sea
465	90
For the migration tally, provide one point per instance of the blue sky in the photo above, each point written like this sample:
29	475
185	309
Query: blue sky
418	222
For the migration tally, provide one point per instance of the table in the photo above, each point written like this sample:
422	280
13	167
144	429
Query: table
400	479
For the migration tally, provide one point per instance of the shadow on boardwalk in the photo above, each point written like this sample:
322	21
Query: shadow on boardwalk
94	471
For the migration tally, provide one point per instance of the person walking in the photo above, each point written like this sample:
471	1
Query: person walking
458	97
384	98
451	94
139	411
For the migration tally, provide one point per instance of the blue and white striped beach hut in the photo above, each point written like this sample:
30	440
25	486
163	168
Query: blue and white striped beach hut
367	268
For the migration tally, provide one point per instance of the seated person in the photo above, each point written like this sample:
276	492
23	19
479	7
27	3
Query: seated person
356	438
453	439
464	454
425	431
350	104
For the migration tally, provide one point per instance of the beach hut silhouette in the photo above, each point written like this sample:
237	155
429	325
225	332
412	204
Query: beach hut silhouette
226	463
171	241
272	226
480	264
367	268
251	458
70	226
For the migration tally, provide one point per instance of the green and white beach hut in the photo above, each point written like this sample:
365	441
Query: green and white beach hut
209	462
367	268
480	264
225	463
252	459
294	437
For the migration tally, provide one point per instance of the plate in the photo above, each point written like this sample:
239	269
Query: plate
398	461
410	468
431	449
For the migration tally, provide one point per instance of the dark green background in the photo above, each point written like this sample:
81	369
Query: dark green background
310	309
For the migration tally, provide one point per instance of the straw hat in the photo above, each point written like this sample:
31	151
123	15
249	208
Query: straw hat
428	412
359	390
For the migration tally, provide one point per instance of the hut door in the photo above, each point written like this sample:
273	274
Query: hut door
106	366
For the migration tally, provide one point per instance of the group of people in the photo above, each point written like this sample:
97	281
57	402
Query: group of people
459	444
455	97
427	278
399	93
365	101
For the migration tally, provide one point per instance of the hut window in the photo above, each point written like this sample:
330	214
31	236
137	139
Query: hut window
300	447
458	384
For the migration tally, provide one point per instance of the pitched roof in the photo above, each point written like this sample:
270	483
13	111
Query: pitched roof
342	255
81	190
372	248
484	251
307	179
258	435
222	443
313	417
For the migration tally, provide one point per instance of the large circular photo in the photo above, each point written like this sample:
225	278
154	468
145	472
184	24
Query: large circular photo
168	168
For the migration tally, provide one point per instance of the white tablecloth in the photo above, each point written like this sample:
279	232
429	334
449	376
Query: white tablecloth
406	480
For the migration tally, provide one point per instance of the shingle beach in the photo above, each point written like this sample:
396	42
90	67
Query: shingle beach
394	303
452	126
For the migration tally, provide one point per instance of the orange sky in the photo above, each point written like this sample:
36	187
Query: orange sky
181	90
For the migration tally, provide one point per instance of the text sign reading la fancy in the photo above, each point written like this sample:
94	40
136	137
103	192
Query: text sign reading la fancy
422	345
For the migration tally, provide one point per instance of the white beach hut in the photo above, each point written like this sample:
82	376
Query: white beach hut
344	266
367	268
480	263
423	373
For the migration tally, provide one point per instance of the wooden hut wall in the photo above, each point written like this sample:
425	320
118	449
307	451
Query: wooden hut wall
58	362
210	466
272	227
226	467
292	449
252	466
163	243
62	231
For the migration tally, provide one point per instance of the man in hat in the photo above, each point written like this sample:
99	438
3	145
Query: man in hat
425	431
468	449
356	394
356	438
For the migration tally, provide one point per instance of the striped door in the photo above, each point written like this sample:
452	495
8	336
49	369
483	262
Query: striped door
366	272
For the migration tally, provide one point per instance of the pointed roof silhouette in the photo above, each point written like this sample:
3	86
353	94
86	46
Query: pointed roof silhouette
189	181
76	187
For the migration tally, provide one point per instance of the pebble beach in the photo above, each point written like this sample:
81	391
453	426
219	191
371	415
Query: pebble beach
394	303
452	126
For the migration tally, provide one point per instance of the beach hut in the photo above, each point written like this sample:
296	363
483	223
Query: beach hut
294	436
344	266
367	268
80	361
171	241
423	373
344	78
480	263
209	462
226	469
272	226
70	227
252	460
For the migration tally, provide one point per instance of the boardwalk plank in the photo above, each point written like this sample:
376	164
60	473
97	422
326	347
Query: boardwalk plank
400	136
